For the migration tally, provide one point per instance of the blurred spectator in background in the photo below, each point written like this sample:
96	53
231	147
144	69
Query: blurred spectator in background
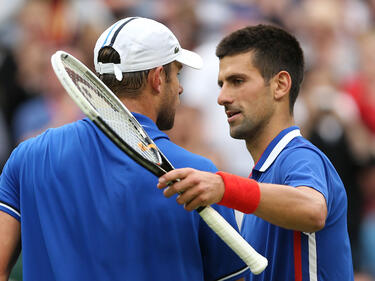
4	141
321	25
361	85
40	101
188	133
181	16
50	107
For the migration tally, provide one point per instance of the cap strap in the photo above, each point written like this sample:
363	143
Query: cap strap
109	68
118	72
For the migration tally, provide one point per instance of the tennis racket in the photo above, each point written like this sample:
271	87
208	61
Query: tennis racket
99	104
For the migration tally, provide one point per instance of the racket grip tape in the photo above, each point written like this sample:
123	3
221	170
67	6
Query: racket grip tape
256	262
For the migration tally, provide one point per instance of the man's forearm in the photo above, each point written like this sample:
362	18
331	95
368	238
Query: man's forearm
10	244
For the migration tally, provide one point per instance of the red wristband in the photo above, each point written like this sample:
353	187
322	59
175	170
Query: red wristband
240	193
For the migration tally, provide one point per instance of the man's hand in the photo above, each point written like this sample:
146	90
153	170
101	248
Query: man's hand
195	188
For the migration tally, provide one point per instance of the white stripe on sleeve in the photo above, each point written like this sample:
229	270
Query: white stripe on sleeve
11	209
233	274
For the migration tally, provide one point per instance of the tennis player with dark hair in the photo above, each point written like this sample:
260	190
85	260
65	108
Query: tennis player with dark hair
295	202
84	210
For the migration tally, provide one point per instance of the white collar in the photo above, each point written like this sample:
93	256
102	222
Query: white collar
275	147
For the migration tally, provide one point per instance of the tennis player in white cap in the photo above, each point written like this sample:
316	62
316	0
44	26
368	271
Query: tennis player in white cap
84	210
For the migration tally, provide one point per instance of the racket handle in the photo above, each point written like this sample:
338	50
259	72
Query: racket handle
256	262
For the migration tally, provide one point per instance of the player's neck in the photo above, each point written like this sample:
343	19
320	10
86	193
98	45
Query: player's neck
259	142
142	106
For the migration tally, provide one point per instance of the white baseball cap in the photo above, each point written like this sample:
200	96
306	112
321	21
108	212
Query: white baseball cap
142	44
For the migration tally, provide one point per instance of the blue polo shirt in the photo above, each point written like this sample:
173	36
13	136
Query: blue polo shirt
89	212
324	255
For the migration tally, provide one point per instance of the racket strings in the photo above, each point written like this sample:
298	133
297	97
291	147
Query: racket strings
114	116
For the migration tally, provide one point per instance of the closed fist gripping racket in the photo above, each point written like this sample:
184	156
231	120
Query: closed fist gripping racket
99	104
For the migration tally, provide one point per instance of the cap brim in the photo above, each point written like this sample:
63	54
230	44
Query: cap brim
190	58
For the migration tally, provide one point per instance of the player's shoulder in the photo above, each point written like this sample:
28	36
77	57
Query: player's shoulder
300	147
185	158
182	158
51	138
301	152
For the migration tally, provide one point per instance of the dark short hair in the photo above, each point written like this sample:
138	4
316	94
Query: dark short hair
274	50
132	82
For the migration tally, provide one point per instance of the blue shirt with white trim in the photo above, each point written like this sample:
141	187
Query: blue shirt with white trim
89	212
292	255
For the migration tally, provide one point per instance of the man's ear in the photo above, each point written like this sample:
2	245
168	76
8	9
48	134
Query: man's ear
283	83
155	78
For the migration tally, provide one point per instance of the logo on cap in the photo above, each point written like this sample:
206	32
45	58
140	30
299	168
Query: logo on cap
176	50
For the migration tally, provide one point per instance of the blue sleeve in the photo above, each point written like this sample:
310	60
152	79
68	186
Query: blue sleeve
305	167
219	261
9	185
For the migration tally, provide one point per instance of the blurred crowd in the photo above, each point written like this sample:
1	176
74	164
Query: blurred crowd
335	109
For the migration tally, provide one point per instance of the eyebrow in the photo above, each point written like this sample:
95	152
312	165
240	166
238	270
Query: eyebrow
235	75
231	77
